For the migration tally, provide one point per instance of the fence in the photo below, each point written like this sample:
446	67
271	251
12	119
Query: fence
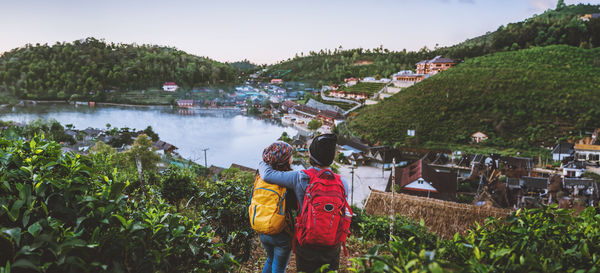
441	217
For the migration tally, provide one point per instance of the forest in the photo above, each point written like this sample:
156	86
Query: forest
88	69
556	26
519	98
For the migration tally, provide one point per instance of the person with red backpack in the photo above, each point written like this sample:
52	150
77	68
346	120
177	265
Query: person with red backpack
324	214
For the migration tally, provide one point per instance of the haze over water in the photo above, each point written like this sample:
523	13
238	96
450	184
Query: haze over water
230	136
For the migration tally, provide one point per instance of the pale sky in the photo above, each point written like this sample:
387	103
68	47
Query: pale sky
262	31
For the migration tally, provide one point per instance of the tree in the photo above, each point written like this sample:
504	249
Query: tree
560	5
314	124
142	150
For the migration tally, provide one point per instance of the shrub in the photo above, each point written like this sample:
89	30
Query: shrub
58	214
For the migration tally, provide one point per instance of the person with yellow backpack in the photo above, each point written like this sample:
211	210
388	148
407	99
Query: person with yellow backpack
270	208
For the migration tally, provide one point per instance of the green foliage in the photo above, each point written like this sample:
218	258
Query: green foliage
561	26
372	227
178	183
59	214
517	98
224	206
535	240
314	124
84	69
364	87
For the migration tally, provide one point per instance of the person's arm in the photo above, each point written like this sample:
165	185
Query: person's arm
346	187
284	179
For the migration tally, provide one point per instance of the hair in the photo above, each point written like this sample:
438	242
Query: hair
315	164
284	167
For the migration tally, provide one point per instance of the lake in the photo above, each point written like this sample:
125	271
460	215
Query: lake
229	136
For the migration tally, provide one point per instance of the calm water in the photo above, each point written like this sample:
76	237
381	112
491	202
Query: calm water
229	136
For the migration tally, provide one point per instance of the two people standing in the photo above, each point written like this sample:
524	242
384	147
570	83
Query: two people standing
323	219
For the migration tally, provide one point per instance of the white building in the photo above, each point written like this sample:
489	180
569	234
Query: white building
170	86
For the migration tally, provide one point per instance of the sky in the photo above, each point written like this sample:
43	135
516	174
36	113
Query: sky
263	32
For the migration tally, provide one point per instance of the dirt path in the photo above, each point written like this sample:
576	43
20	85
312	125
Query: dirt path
258	257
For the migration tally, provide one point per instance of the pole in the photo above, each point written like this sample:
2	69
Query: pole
205	162
383	165
352	192
393	188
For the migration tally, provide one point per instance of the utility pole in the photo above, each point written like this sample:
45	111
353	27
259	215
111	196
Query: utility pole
393	188
352	192
205	162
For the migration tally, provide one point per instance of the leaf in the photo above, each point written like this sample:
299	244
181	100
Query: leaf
34	229
14	233
121	219
24	263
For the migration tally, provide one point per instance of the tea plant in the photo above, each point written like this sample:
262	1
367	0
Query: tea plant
58	214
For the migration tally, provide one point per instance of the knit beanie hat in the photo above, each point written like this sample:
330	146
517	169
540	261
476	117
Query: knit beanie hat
277	153
322	149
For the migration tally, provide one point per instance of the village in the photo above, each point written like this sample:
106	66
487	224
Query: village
480	179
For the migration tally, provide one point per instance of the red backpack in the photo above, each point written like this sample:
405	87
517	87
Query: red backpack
323	220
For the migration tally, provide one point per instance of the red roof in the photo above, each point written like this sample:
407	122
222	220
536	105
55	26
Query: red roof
289	103
441	181
170	84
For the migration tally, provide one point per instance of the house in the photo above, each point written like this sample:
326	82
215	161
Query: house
214	170
91	133
330	117
562	150
583	187
185	103
276	81
574	169
589	16
322	106
351	81
170	86
242	168
287	104
478	137
435	65
164	147
587	152
420	179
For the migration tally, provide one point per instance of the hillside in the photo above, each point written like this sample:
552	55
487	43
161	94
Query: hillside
518	98
86	68
559	26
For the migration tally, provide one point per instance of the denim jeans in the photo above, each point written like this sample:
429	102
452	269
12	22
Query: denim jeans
279	248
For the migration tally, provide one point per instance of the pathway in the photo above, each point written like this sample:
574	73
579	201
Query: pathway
364	177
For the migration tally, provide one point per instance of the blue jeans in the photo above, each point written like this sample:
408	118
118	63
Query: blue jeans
279	248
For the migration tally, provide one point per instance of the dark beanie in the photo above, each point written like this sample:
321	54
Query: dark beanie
322	149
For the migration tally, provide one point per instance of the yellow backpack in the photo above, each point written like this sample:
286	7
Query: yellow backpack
267	207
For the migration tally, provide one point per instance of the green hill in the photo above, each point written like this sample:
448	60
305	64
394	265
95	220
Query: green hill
559	26
86	68
518	98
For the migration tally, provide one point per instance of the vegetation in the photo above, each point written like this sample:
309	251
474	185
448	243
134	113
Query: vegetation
60	213
314	124
364	87
88	69
559	26
518	98
535	240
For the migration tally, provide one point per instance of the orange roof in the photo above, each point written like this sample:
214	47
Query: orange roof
587	147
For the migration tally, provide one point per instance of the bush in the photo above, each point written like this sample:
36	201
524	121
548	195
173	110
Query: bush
178	183
535	240
58	214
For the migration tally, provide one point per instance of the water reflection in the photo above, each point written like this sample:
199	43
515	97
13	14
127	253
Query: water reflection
230	136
